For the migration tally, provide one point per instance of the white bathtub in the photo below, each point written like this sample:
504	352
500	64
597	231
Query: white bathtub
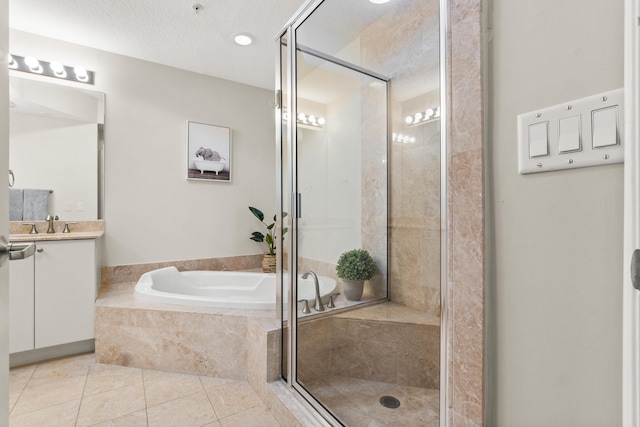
223	289
209	165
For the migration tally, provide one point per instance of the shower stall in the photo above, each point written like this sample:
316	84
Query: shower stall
360	166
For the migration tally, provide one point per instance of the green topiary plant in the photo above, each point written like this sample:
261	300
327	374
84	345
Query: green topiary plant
356	264
269	239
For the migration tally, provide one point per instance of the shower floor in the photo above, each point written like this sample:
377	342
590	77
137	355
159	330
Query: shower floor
356	402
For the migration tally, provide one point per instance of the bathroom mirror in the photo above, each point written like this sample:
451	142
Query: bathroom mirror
56	144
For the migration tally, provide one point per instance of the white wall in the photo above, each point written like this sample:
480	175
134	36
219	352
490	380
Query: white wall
152	212
555	301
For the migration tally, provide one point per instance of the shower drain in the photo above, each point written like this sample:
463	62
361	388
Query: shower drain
389	402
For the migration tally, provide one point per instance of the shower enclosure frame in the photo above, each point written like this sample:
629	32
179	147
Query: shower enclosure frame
289	31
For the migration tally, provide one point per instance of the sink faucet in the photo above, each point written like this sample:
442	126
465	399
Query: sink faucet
50	219
318	306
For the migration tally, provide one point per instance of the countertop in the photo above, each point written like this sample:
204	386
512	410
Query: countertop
41	237
80	230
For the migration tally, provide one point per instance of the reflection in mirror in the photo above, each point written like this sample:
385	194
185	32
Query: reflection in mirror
55	146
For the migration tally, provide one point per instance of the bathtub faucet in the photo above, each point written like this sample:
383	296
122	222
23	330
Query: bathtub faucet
318	306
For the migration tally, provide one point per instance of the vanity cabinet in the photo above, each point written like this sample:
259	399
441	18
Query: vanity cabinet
52	295
65	291
21	310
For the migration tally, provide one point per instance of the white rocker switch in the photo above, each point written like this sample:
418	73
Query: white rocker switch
604	125
569	135
539	139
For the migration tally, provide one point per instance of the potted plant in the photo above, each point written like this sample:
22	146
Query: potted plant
268	239
354	267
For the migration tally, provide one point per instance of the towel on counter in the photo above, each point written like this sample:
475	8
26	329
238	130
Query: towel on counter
36	205
16	201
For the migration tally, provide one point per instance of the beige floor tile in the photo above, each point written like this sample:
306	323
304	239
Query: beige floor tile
13	398
254	417
211	382
135	419
192	410
213	424
18	377
231	398
112	404
43	394
103	378
64	368
160	386
54	416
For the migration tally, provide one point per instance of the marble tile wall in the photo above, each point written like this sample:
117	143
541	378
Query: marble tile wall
390	351
404	45
466	276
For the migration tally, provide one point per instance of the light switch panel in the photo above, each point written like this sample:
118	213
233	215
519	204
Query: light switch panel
569	134
575	134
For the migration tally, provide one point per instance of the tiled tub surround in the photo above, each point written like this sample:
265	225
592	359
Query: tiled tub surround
186	339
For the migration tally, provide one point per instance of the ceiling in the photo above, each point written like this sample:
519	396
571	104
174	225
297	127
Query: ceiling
168	32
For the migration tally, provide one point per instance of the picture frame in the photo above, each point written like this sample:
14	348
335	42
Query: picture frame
208	152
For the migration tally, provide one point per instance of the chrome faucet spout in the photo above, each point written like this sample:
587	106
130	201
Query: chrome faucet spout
318	305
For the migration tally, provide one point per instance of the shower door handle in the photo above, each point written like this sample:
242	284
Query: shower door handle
635	269
296	205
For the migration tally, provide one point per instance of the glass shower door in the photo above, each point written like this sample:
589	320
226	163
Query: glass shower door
339	162
360	169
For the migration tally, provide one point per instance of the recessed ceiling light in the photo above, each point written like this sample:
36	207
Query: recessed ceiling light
379	1
243	39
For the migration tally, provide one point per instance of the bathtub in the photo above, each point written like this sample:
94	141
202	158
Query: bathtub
209	165
223	289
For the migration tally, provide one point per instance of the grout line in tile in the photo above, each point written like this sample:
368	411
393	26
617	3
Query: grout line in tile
208	398
86	377
144	392
23	388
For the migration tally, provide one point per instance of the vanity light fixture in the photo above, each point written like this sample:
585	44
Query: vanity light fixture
243	39
405	139
305	119
31	64
429	115
379	1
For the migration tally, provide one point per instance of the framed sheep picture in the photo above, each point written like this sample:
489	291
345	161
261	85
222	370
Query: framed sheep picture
208	152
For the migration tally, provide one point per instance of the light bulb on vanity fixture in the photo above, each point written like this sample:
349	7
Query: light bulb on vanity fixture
13	64
58	69
33	64
81	73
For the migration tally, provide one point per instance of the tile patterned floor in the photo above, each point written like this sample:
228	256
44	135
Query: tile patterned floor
356	402
78	392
